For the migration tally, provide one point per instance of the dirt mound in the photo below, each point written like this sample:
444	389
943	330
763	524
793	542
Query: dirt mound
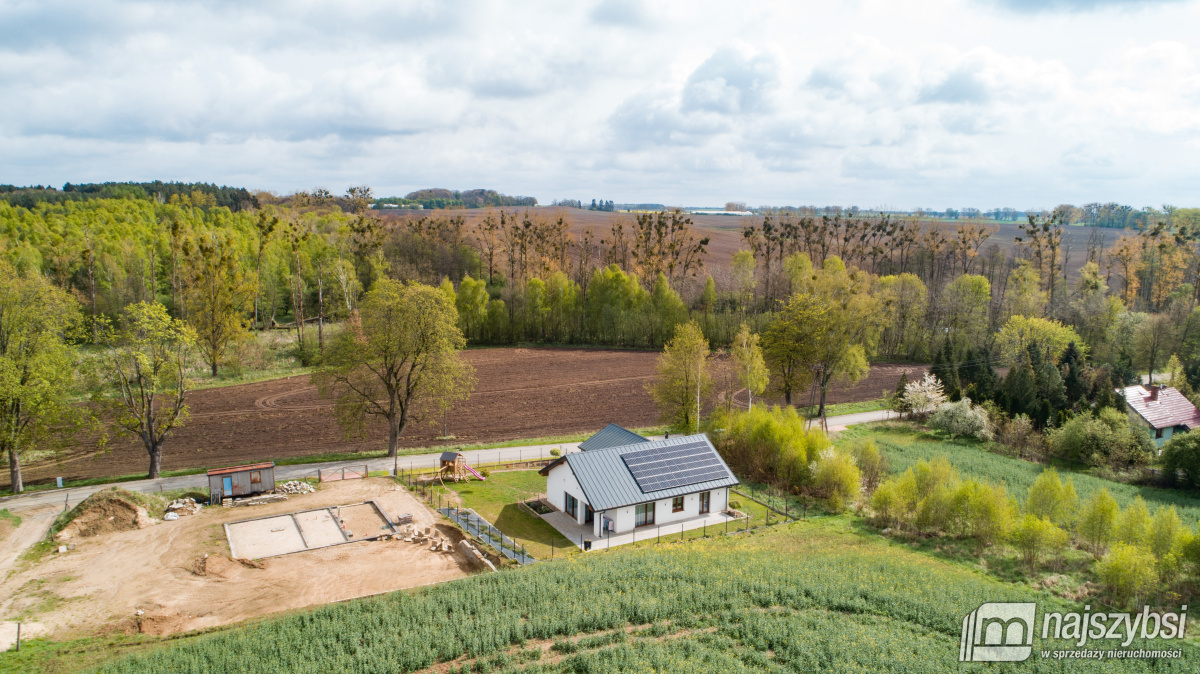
105	512
221	566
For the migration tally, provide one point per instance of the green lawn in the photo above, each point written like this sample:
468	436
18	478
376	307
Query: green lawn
904	446
838	409
496	499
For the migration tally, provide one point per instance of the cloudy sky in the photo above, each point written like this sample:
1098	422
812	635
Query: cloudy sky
897	103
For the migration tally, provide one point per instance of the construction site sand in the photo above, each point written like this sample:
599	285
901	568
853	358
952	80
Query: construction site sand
104	581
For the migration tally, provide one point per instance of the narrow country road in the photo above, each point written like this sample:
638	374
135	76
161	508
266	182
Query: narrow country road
65	498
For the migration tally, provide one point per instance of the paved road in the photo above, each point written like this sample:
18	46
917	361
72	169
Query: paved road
68	497
63	498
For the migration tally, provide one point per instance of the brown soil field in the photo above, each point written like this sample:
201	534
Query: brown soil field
179	576
521	393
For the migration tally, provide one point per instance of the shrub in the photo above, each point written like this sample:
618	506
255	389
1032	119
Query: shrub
770	445
962	418
1133	526
1104	440
1034	536
306	352
1166	532
837	479
1020	438
1050	498
870	461
1181	459
982	511
1098	521
1127	572
889	504
485	472
555	452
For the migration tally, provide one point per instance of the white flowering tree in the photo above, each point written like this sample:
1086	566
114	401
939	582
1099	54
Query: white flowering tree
962	418
924	396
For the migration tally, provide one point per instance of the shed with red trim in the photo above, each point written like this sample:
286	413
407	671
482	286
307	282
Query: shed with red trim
254	478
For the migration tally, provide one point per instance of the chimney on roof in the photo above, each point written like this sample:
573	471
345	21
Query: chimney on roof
1153	392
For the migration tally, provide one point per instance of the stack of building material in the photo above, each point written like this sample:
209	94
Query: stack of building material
294	487
184	506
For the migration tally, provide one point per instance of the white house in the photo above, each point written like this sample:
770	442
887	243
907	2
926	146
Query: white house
652	482
1162	408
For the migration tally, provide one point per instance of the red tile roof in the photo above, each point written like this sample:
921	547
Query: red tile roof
238	469
1170	409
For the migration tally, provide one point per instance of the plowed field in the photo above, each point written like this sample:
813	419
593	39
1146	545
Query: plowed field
521	393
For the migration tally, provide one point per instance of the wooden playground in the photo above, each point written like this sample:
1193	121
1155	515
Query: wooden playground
454	467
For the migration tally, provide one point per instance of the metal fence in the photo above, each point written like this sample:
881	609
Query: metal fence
480	528
343	473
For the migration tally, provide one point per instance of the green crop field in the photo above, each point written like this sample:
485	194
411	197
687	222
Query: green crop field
804	596
905	446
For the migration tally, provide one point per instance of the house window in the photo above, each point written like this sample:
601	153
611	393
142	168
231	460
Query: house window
677	504
256	477
1158	433
572	506
643	515
705	501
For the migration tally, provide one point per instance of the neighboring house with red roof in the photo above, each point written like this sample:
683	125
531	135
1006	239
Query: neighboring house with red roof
1162	408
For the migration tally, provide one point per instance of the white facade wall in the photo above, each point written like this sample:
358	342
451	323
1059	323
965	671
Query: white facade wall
663	514
561	481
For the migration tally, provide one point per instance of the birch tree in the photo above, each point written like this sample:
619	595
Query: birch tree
684	380
751	368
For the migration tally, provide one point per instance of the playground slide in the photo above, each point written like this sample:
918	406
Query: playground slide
474	473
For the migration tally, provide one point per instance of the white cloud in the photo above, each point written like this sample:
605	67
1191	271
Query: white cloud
943	101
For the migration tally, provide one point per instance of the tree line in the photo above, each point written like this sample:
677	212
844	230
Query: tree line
824	294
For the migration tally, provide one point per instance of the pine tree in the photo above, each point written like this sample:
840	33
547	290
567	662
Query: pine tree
977	376
1104	395
1020	388
946	370
1072	375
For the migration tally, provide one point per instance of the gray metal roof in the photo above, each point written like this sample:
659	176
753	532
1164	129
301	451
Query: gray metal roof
611	435
607	483
449	456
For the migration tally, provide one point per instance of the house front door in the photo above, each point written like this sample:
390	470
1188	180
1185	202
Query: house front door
589	515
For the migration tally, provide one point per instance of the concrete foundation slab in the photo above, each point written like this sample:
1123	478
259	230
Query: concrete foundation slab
306	530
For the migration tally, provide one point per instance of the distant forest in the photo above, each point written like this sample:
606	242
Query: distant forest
439	198
233	198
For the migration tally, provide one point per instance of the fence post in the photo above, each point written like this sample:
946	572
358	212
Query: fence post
659	535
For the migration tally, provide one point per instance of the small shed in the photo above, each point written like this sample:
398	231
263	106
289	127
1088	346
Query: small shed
255	478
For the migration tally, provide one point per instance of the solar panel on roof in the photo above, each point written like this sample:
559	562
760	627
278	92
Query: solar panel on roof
662	468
